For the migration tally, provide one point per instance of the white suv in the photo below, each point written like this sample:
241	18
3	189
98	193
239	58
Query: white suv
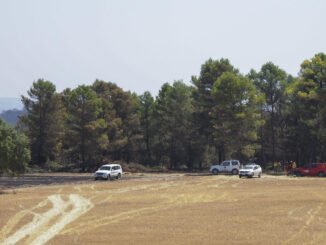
250	171
108	172
229	166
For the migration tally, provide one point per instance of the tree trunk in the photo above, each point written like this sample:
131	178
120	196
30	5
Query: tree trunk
273	134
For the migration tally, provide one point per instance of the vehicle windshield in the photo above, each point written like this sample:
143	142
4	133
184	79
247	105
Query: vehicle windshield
105	168
248	167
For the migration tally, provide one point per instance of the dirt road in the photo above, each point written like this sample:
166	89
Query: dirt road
167	209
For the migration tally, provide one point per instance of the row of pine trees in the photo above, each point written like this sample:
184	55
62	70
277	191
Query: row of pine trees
264	116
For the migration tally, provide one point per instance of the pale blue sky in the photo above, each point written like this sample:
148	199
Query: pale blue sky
141	44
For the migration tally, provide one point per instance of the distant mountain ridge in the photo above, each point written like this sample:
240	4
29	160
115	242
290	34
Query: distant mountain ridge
10	104
12	116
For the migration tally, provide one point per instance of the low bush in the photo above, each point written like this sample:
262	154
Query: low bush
132	167
269	168
53	166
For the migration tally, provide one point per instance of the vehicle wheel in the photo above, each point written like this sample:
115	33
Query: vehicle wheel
240	176
259	175
235	171
321	174
119	176
215	171
95	179
108	177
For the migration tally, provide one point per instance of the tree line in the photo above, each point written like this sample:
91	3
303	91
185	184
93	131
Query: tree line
263	116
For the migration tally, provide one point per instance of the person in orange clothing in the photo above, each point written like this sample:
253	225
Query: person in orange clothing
288	168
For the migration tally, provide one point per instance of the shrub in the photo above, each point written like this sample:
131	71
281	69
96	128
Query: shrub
14	152
270	167
183	167
53	166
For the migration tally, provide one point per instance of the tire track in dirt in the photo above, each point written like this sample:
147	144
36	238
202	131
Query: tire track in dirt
17	218
38	221
45	226
48	224
5	231
170	202
311	217
295	214
131	213
81	206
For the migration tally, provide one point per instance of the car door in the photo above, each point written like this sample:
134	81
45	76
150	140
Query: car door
114	171
260	171
226	165
313	170
235	165
256	171
306	170
119	171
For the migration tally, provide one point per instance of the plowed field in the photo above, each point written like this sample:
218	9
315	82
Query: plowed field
166	209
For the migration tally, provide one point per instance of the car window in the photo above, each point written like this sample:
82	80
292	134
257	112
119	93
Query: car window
226	163
255	167
105	168
234	163
314	165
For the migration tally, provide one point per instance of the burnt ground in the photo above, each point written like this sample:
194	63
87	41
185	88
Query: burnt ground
29	180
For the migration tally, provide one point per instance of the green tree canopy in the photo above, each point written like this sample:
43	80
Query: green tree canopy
42	121
85	138
308	108
146	107
236	116
14	152
203	102
122	120
172	115
270	82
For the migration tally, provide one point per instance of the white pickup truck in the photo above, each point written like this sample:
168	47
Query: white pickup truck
228	166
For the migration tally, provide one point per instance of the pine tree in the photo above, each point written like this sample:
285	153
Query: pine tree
42	121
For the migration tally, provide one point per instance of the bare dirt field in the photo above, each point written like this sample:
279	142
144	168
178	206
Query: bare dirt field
163	209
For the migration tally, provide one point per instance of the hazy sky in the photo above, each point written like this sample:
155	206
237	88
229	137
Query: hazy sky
141	44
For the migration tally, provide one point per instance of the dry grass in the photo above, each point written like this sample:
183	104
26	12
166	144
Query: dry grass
168	209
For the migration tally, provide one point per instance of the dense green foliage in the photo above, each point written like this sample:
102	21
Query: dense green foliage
84	138
14	152
235	116
308	106
42	121
263	116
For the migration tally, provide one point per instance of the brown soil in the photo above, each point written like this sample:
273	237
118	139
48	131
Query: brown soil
166	209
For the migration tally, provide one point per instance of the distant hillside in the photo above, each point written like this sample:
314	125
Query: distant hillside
10	104
12	116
